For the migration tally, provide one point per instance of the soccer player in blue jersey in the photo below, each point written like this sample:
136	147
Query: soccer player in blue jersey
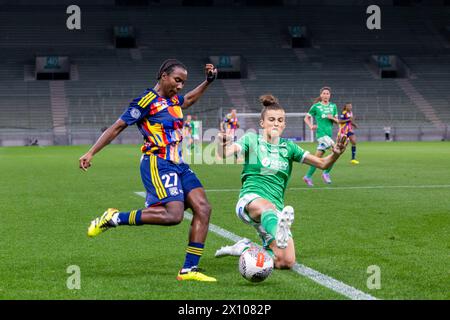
170	184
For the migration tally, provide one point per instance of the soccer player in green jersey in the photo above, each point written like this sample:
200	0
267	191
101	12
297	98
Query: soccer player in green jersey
265	176
196	128
325	114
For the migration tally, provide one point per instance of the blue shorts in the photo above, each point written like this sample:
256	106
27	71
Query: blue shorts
166	181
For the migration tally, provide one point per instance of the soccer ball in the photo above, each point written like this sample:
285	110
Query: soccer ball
255	264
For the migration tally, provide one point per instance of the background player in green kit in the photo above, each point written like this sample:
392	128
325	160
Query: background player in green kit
196	128
266	173
325	114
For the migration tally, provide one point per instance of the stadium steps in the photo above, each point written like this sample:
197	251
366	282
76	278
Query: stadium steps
421	103
59	107
301	55
237	94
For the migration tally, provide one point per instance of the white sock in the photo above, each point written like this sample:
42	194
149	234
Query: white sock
115	219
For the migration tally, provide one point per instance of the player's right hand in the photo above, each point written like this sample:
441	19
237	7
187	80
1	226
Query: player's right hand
85	161
211	72
314	127
341	144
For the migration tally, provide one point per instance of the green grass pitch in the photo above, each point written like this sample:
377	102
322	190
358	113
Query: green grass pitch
396	215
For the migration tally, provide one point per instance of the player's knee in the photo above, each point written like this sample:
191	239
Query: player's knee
267	207
290	263
203	210
174	217
285	261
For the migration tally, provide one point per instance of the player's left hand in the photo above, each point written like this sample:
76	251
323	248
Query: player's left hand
341	144
332	118
211	72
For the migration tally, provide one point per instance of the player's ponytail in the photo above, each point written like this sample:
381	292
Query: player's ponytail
168	66
321	90
269	102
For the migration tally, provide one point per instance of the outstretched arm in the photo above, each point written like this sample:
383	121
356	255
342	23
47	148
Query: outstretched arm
344	120
192	96
109	135
326	162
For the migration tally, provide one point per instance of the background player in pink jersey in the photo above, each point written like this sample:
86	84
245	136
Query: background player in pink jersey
230	123
346	124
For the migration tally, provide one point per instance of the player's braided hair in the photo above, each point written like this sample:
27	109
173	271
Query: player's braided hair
168	66
344	108
269	102
321	90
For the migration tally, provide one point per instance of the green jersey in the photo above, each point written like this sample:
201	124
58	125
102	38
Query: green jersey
320	114
268	167
195	125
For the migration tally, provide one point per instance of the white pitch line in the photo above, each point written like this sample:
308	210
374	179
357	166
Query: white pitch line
316	276
347	188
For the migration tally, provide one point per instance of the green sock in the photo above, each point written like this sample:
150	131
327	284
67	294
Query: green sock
329	169
311	171
269	221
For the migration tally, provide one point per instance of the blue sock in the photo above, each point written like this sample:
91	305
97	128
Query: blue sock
193	254
130	218
353	152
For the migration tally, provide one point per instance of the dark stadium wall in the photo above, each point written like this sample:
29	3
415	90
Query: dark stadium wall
56	3
201	2
224	2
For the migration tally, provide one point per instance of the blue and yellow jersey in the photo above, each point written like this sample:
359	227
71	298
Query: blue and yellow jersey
230	122
160	120
346	127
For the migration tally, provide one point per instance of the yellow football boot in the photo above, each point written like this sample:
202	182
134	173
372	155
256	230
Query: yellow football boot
102	223
354	161
194	274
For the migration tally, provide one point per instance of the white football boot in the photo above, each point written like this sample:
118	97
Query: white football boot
233	250
285	220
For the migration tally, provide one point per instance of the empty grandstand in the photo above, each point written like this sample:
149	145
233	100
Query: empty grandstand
103	78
